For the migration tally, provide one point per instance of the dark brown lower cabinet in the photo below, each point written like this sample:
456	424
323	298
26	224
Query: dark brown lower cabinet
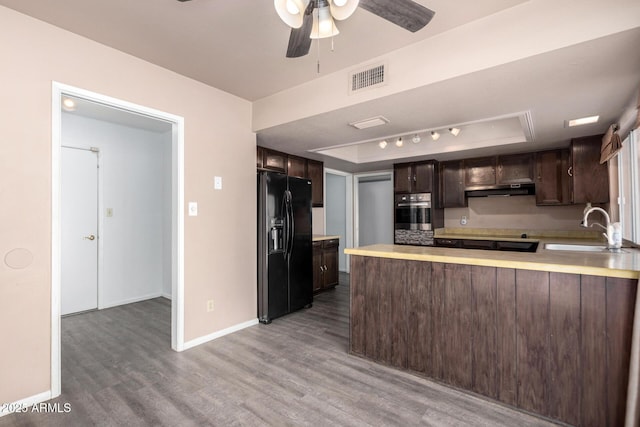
325	264
555	344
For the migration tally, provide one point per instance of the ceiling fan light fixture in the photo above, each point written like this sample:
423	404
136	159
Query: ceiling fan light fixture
454	131
291	11
435	135
323	24
342	9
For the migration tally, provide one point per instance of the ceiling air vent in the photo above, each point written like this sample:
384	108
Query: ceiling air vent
368	78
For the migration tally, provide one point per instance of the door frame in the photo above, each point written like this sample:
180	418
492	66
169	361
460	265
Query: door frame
177	216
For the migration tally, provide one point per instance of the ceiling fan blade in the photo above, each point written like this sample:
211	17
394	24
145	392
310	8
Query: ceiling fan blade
405	13
299	40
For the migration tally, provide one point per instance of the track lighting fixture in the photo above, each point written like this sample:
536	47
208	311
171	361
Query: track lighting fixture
399	142
435	135
416	138
383	144
454	131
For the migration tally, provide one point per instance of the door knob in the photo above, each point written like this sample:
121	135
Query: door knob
90	237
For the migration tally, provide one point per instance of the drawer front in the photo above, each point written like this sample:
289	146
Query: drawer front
331	242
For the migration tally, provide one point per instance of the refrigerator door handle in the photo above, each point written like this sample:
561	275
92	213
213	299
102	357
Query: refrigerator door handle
292	225
285	226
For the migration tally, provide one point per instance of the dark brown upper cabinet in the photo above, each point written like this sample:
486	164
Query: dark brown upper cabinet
315	172
480	172
259	156
553	183
590	178
452	175
515	169
415	177
297	166
274	160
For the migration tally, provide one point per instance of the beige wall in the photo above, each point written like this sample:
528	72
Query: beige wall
219	243
517	212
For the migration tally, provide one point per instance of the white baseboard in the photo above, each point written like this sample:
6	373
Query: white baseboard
24	404
219	334
131	300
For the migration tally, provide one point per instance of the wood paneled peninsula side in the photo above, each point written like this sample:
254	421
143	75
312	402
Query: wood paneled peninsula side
544	332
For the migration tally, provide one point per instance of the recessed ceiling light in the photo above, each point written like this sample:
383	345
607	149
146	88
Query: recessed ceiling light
382	144
68	104
369	123
581	121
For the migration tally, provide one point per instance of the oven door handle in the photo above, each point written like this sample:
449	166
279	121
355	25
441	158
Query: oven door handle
411	205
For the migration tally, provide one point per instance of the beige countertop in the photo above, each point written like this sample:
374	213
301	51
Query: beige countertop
321	237
625	264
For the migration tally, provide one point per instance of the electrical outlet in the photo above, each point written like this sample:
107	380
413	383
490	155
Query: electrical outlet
210	305
463	220
217	183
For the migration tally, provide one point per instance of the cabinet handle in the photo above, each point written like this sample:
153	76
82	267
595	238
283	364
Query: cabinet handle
570	171
414	178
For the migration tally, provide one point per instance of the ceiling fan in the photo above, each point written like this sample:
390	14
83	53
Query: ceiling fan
307	25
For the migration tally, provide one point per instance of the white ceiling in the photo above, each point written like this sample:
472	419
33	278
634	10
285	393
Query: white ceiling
239	46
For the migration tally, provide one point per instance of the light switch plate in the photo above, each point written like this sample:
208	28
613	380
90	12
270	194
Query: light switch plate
217	183
193	209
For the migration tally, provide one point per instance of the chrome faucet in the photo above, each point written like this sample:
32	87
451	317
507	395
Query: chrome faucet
613	231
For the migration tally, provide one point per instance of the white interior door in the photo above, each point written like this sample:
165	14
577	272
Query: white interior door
79	258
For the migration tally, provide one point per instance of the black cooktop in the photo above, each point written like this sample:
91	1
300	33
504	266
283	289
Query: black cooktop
490	245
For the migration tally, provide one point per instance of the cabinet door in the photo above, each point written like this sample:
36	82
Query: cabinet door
515	169
259	155
330	259
402	178
480	171
553	184
317	266
590	178
315	172
423	177
275	161
452	181
296	166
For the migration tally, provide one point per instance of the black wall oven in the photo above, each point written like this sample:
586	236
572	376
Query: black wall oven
413	219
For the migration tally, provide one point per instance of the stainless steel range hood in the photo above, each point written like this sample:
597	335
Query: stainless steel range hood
502	191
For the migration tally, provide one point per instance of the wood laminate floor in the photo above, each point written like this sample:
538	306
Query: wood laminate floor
119	370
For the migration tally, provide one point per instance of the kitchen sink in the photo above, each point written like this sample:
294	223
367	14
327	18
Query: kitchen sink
577	248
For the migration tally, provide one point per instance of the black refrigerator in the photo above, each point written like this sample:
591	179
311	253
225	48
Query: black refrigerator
285	277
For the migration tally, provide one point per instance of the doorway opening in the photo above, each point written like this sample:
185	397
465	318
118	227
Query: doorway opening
171	158
373	210
338	211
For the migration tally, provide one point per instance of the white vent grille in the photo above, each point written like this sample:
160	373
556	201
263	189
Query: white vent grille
371	77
